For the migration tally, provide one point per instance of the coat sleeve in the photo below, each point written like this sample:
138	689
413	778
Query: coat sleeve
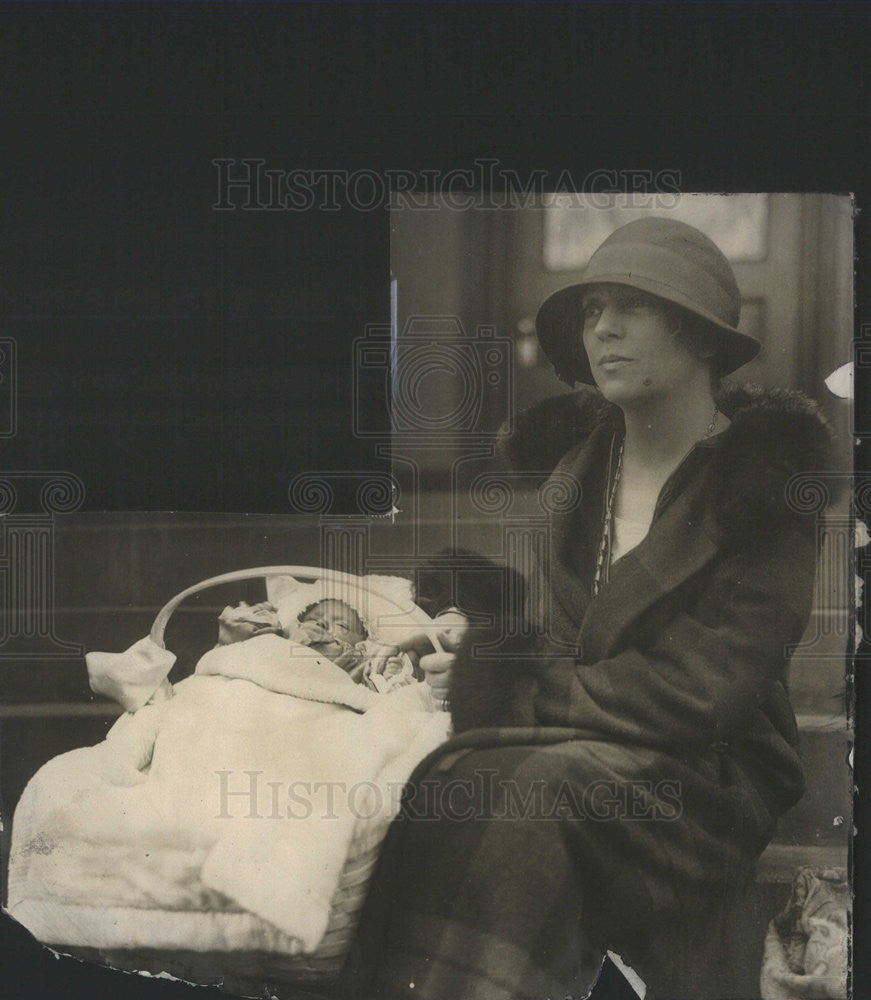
690	678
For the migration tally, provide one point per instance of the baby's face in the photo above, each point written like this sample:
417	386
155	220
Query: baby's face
339	621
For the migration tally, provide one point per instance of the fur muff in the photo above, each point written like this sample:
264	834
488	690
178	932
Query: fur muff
477	586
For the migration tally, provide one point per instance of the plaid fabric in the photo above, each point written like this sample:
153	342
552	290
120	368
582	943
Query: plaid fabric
673	697
503	879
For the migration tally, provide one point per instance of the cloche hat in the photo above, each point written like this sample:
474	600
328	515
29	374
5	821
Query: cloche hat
663	257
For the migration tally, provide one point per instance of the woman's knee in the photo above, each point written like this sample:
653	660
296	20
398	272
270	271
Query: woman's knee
511	783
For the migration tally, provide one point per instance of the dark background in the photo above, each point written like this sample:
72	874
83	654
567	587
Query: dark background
178	358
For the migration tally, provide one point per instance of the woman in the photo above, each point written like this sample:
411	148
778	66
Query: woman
626	765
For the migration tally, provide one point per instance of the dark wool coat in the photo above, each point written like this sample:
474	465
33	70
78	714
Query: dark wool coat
623	771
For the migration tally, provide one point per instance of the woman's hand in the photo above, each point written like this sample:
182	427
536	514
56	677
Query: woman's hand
437	667
387	668
379	659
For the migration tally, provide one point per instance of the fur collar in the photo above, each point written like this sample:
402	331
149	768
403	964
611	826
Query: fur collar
774	434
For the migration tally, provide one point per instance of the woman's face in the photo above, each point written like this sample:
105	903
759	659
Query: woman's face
634	350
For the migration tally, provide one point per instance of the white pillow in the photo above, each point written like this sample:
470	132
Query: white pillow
385	604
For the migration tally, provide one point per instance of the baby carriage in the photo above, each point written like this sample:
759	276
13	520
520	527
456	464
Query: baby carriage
251	905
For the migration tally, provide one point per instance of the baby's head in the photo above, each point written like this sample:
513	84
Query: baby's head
331	627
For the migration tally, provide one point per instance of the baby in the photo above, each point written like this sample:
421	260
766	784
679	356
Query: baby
331	628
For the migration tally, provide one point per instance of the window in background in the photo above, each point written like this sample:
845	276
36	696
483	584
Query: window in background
575	224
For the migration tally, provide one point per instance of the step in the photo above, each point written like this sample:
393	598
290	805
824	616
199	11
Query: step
823	814
818	685
779	862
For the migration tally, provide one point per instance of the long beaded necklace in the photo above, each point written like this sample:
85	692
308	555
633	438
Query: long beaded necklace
603	556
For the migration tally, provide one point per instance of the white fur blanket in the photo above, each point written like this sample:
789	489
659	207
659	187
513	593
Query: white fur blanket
248	785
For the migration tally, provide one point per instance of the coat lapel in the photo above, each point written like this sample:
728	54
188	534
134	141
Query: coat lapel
569	597
673	550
